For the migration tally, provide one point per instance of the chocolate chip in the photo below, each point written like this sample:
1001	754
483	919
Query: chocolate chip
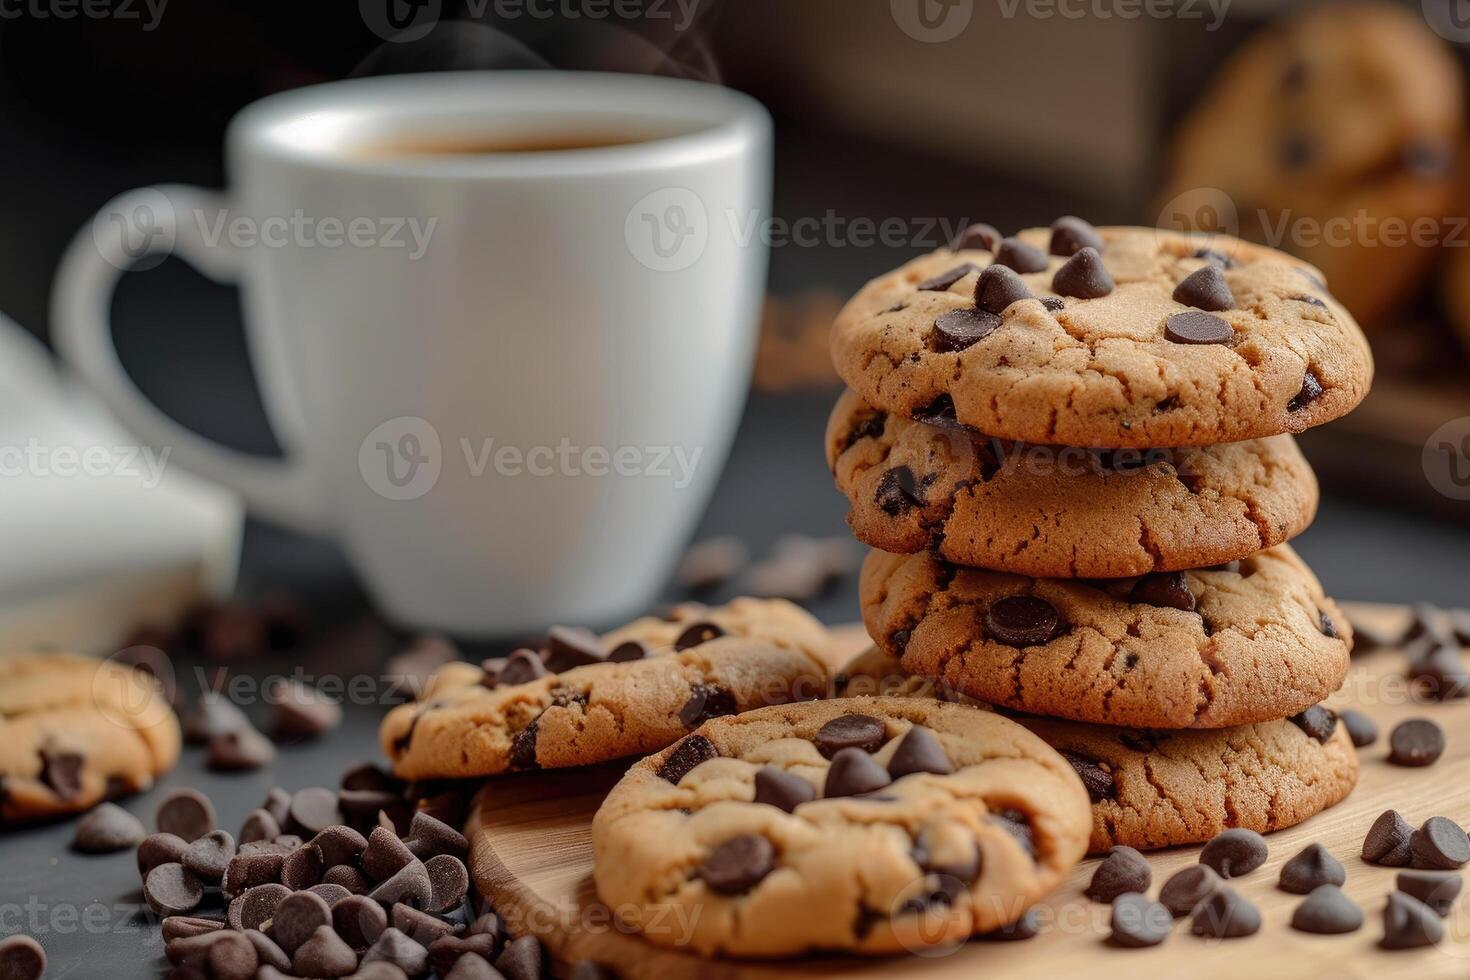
522	667
1311	390
254	908
712	562
409	885
186	926
211	715
1167	589
248	869
394	947
979	236
897	492
1070	234
850	731
591	970
1098	781
852	773
1436	889
185	813
1317	721
1205	289
1427	158
1310	867
324	954
701	632
898	640
1416	742
230	956
408	672
449	882
1028	926
301	712
278	804
521	959
1054	303
1327	911
1309	300
108	828
961	329
997	288
1123	870
259	825
523	747
350	879
1441	674
238	751
302	868
919	751
1083	276
565	697
1216	258
737	865
358	920
266	950
782	789
1296	151
339	844
707	701
1439	845
21	958
156	849
1326	625
942	282
1194	327
1018	825
1137	921
297	918
446	951
429	837
630	651
1235	852
210	855
685	757
421	927
1387	840
171	889
1187	888
61	772
313	809
1408	923
940	412
1022	620
1225	915
385	854
332	893
1016	254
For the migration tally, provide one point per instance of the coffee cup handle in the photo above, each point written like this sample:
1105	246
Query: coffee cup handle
129	230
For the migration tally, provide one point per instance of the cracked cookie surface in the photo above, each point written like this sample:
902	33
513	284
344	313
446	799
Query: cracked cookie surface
883	825
1208	648
75	730
1101	371
1058	511
1153	788
694	664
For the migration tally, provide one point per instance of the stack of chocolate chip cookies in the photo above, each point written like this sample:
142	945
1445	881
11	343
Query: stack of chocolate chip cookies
1071	451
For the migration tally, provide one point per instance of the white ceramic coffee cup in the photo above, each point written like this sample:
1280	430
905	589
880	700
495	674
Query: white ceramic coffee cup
505	382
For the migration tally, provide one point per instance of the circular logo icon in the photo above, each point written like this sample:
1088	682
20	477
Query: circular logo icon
141	689
403	21
932	21
1446	459
401	459
668	230
1450	19
136	230
1203	210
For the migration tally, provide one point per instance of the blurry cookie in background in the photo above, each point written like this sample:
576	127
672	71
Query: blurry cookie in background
1334	135
793	353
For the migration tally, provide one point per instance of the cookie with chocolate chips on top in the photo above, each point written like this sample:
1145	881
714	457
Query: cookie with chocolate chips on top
873	825
1132	344
587	699
1053	511
1252	641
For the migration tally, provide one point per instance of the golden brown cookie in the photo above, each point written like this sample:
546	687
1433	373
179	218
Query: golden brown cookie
1207	648
874	825
1063	512
1152	339
75	730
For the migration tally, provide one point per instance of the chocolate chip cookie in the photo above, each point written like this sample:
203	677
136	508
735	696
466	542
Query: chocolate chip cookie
637	689
1153	788
871	825
1251	641
75	730
1140	338
1330	133
1054	511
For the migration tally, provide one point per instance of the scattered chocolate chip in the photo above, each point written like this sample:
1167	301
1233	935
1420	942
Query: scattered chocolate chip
297	918
1225	915
1439	845
429	837
108	828
1416	742
1441	674
394	947
358	920
1098	781
850	731
942	282
210	855
1083	276
1016	254
266	950
961	329
248	869
852	773
156	849
1327	911
1310	867
1070	234
737	865
1022	620
1168	589
408	672
332	893
1317	721
1360	727
1235	852
1137	921
685	757
1387	840
782	789
254	907
1028	926
238	751
300	711
707	701
1123	870
324	954
447	951
211	715
701	632
449	882
385	854
171	889
346	877
422	927
979	235
1187	888
1194	327
409	885
231	956
710	563
1311	390
278	804
997	288
313	810
1408	923
521	959
919	751
185	813
1205	289
186	926
302	868
1436	889
21	958
259	825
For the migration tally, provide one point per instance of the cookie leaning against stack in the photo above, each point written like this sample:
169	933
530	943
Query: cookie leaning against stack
1072	451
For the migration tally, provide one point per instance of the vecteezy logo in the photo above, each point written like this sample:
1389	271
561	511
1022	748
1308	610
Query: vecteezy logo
1446	459
136	231
1450	19
401	459
932	21
400	20
668	230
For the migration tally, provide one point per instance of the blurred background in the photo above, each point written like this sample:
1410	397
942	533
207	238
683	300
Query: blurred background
894	121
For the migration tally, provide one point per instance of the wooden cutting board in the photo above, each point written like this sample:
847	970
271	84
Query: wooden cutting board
531	855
